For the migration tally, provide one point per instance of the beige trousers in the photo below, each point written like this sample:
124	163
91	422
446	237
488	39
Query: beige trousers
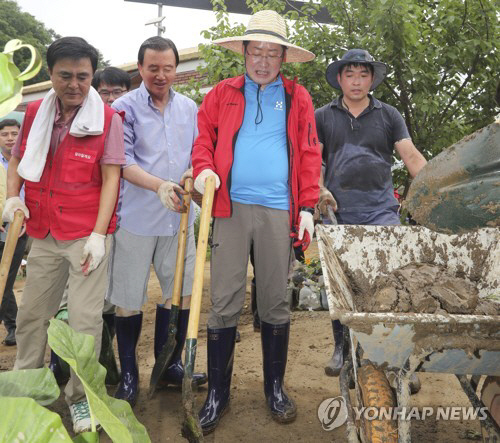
52	263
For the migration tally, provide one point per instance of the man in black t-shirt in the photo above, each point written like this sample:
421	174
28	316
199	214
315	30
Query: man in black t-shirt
358	134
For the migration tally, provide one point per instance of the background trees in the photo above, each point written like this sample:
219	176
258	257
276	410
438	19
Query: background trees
17	24
442	57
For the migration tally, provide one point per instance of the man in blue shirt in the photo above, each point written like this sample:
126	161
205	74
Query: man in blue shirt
159	128
358	135
9	131
258	140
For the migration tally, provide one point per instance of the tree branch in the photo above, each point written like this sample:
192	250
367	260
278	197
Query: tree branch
459	89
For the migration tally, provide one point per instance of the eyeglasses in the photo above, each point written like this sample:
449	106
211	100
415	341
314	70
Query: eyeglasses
104	93
259	57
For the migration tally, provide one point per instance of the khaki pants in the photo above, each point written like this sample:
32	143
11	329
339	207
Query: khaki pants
268	230
50	263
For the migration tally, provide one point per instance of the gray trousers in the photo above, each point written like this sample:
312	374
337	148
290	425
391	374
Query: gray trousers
268	230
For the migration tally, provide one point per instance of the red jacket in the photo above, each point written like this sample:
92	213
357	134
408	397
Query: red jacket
66	199
219	120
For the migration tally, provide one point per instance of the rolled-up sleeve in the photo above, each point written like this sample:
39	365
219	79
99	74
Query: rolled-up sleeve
114	145
128	132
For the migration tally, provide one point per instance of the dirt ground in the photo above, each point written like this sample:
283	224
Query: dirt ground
247	419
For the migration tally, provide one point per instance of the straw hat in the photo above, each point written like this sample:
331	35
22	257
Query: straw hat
267	26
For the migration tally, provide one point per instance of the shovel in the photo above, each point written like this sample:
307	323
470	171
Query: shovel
163	359
191	428
9	248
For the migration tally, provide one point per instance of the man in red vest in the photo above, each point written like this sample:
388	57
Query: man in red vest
68	155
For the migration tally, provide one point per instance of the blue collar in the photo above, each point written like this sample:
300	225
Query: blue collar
251	83
146	96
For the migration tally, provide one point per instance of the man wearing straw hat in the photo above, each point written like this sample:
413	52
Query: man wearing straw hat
257	137
358	134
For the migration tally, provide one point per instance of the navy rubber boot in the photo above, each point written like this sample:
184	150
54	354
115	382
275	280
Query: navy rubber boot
175	371
335	364
274	339
59	367
128	330
220	356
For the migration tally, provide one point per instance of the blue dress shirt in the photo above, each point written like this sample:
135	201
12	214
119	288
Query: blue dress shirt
160	144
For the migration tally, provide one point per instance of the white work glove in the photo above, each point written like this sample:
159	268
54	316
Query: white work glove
12	205
93	252
306	224
326	199
169	193
187	174
199	183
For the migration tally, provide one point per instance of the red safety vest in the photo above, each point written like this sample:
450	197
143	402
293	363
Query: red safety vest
65	201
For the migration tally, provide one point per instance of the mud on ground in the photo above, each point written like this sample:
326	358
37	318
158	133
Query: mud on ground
247	420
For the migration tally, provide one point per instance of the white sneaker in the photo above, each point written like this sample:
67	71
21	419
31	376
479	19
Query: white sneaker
80	415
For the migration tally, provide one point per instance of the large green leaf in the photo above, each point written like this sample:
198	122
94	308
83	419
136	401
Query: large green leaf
24	420
115	416
38	384
87	437
35	63
11	79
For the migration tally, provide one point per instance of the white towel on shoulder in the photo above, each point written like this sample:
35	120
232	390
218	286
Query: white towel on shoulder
89	120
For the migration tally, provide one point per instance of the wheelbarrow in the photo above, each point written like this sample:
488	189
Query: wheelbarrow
465	345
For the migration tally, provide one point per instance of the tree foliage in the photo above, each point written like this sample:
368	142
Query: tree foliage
15	24
442	57
21	25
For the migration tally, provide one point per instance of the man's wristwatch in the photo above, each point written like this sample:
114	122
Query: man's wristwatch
307	209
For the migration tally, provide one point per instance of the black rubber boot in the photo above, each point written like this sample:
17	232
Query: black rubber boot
220	345
10	339
128	330
255	312
274	339
175	371
59	367
107	355
109	319
333	367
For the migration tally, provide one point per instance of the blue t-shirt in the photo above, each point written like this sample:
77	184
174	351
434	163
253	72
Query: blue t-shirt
260	167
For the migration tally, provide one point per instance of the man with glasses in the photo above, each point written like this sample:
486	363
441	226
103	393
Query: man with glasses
257	138
111	83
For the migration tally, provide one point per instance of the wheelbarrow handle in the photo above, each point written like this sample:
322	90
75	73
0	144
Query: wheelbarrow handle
10	247
331	215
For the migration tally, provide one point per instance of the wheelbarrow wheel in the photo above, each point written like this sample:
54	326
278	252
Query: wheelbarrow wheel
376	392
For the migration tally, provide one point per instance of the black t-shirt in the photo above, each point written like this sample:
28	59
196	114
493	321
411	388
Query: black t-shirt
357	153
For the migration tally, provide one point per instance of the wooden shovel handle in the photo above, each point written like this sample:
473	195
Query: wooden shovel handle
9	248
201	256
181	245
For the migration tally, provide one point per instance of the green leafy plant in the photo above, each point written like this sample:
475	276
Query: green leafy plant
115	416
11	79
37	424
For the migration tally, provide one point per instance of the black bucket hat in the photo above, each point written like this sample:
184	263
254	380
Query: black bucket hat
356	56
